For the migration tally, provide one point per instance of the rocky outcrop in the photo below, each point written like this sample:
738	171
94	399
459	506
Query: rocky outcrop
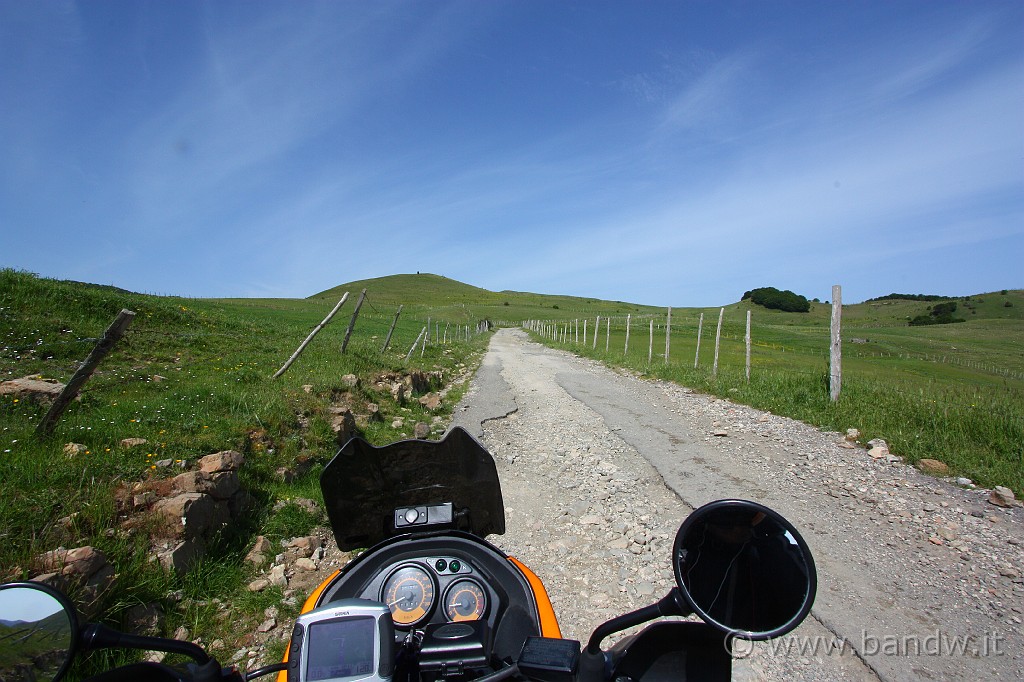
84	570
431	401
343	423
32	387
298	562
185	513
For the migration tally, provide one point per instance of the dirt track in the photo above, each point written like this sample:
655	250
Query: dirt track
598	468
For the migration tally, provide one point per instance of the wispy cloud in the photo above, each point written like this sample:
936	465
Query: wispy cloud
264	89
931	58
710	99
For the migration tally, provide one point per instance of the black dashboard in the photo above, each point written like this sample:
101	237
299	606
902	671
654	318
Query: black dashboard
451	578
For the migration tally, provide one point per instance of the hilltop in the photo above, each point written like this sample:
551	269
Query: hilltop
411	289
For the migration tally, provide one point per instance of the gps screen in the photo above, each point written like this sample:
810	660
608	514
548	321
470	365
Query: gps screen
340	649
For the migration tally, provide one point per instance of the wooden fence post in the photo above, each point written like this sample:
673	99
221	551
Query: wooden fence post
316	330
352	322
607	333
836	355
387	341
668	332
577	327
650	345
626	350
106	343
718	339
700	329
597	330
748	345
585	321
415	343
445	338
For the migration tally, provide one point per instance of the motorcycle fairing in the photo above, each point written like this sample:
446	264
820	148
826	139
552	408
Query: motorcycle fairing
363	486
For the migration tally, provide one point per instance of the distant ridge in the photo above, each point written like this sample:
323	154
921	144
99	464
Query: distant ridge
440	293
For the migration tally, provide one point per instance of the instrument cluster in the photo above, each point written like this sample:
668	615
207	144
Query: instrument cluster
414	590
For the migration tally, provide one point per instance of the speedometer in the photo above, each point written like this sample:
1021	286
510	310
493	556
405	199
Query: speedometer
464	600
409	593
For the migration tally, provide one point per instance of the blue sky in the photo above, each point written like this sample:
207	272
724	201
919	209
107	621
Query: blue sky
673	153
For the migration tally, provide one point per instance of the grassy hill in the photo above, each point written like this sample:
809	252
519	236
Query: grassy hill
450	298
190	377
415	289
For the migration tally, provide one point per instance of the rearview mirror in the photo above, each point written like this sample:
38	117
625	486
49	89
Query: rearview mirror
744	569
38	628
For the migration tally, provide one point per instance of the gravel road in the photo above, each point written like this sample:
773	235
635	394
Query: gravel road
918	579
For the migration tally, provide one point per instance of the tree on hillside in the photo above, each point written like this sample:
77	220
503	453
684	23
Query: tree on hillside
770	297
908	297
941	313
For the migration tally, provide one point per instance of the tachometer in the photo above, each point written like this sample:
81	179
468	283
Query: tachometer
464	600
409	593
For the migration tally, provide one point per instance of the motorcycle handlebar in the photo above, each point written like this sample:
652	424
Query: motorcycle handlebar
99	636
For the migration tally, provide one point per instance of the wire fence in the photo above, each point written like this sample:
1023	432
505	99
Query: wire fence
807	353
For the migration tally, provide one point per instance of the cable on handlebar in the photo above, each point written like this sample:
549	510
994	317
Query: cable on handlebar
504	673
266	670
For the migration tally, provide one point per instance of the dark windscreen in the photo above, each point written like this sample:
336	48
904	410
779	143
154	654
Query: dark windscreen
364	484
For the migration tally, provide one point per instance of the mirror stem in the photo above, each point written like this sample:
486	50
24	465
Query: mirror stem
97	636
671	604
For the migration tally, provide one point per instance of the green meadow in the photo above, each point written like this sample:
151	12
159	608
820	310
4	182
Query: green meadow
193	377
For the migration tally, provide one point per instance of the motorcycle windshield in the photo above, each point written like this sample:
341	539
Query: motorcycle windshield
363	486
